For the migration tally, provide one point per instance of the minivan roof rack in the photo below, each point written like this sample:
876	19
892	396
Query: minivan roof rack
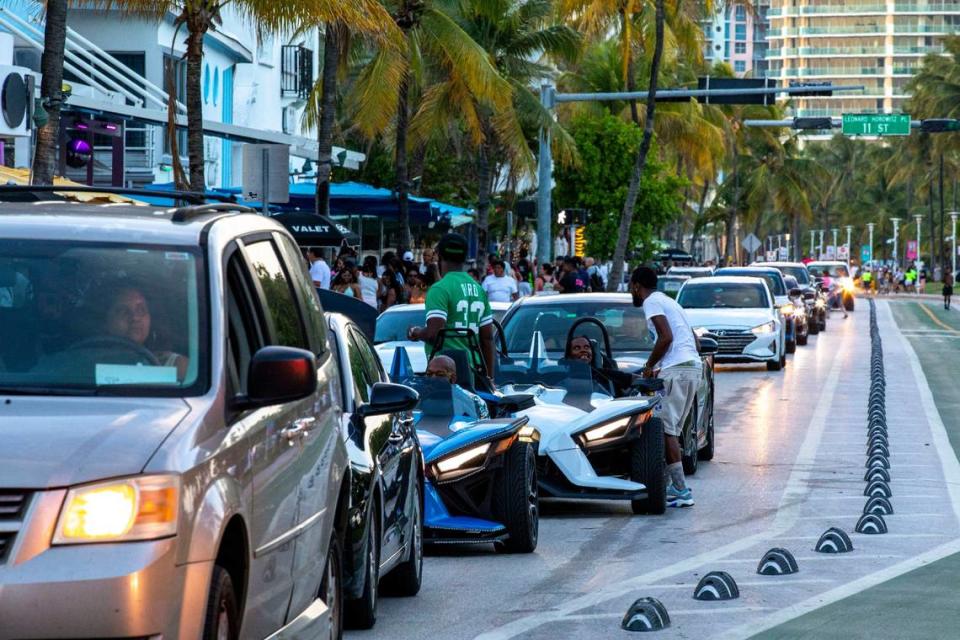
16	193
186	214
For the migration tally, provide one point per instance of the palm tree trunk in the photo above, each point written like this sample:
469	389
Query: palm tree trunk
195	105
400	164
633	191
328	112
51	66
484	188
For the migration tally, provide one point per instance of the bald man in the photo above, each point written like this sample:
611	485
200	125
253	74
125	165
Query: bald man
465	403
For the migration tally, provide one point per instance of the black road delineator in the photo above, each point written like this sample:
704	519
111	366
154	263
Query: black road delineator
878	461
834	540
878	488
878	448
777	562
876	473
871	524
878	505
646	614
716	585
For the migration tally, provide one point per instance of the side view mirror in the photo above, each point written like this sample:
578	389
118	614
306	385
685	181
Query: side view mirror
708	346
277	375
795	292
809	295
387	397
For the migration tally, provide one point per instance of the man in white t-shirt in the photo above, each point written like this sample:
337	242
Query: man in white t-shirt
675	359
319	269
499	286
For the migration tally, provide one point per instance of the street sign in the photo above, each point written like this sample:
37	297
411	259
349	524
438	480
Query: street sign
784	254
865	254
771	256
579	243
876	124
751	243
911	249
843	252
831	252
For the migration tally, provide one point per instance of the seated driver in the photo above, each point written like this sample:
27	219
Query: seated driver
128	317
465	403
580	348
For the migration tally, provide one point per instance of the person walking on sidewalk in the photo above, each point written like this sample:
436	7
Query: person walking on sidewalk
947	287
675	359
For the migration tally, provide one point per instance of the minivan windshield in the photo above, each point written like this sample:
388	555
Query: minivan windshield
723	296
84	318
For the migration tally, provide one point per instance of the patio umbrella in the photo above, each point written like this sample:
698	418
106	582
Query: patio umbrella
311	230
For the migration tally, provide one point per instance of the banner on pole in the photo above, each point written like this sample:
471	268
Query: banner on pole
911	249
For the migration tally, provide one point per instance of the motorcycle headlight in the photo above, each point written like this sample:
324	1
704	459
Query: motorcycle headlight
610	431
846	284
820	303
788	309
768	327
139	508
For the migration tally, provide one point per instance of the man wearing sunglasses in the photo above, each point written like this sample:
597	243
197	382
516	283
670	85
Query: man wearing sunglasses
465	403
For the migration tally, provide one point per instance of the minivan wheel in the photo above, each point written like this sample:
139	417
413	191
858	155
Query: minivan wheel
222	620
331	589
362	612
405	580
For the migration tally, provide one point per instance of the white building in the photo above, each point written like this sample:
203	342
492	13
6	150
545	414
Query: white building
120	60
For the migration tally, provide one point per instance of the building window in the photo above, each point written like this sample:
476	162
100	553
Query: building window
296	71
740	47
741	13
740	33
739	66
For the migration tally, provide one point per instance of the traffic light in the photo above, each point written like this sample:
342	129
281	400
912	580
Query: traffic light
939	125
812	123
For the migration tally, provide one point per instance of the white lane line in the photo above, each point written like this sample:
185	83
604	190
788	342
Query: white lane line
791	503
951	472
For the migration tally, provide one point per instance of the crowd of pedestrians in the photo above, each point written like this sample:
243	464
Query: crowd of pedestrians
403	278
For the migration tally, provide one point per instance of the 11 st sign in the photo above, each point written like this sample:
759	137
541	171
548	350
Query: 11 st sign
876	124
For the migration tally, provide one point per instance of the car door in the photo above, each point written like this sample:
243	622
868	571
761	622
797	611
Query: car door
286	504
324	454
383	437
271	461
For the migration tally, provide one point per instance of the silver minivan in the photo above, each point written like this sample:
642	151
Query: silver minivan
171	463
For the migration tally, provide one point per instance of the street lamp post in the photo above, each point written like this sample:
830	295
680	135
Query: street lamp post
835	232
919	219
896	230
953	242
821	243
812	242
870	226
849	229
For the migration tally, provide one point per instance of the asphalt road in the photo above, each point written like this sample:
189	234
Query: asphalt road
789	464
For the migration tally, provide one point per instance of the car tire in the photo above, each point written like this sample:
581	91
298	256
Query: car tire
775	365
518	501
848	304
222	607
813	325
823	321
648	466
690	459
802	340
405	580
706	454
791	346
331	587
361	613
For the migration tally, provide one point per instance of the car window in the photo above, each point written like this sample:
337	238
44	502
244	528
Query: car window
110	319
371	363
774	280
625	324
278	299
723	296
393	326
828	270
313	311
244	336
800	273
358	368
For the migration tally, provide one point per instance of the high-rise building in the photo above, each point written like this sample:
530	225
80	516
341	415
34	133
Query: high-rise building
735	34
875	43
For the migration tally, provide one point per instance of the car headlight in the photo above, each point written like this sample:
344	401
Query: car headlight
528	433
768	327
610	431
138	508
788	309
471	458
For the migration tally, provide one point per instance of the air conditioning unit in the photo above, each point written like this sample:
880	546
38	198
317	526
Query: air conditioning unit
16	101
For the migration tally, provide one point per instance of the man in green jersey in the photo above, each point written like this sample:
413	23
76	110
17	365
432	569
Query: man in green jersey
457	301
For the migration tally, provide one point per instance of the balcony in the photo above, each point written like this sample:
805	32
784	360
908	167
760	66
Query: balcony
842	51
917	51
810	72
927	7
821	9
296	71
911	29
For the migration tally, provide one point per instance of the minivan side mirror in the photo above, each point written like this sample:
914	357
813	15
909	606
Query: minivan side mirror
708	346
795	292
277	375
387	397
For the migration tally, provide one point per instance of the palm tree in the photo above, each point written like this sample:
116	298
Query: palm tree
51	87
393	82
202	16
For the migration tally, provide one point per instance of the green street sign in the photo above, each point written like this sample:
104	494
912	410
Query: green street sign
876	124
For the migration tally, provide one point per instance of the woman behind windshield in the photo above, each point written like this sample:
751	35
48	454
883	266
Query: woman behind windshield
128	317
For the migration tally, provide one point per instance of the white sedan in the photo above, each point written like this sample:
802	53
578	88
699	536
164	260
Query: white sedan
743	315
392	326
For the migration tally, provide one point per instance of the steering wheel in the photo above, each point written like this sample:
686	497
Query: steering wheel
603	332
116	342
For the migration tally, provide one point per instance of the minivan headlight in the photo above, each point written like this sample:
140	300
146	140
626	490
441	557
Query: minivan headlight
768	327
138	508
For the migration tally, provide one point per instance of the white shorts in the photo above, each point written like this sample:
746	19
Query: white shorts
680	385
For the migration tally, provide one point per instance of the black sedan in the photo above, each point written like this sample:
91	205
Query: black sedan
383	550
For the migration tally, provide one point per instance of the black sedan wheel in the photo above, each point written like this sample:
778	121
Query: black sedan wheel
691	438
331	589
362	612
405	580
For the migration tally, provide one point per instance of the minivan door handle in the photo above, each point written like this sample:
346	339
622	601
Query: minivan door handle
299	429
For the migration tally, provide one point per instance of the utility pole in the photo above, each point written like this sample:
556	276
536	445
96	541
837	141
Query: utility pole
953	242
919	218
896	229
812	234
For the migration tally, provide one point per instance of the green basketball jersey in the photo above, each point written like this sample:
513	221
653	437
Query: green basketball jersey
461	303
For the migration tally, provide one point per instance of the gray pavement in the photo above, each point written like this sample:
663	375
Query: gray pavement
789	464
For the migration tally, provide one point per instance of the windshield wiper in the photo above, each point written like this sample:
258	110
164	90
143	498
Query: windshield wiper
47	391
